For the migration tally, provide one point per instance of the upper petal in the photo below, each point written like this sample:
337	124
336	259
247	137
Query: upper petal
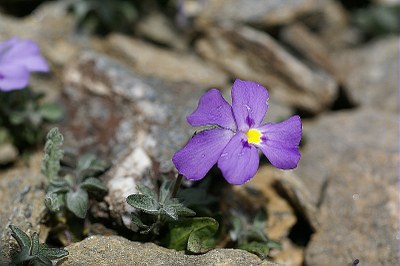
201	153
23	52
239	160
13	77
213	109
280	142
249	103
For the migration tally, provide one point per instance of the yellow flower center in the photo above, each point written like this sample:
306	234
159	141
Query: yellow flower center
253	136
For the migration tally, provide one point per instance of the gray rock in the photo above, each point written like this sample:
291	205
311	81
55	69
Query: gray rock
308	44
116	250
8	153
22	204
254	55
265	13
349	164
138	122
157	27
149	60
370	73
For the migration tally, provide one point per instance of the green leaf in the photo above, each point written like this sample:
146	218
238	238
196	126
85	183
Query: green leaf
41	260
272	244
22	256
58	186
85	161
51	112
93	184
165	191
145	190
179	208
54	202
137	221
35	244
260	219
53	153
258	248
17	118
144	203
90	166
170	211
78	202
194	234
19	235
52	253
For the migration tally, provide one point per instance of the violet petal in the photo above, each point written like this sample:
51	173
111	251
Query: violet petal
239	160
23	52
213	109
249	103
201	153
281	142
13	77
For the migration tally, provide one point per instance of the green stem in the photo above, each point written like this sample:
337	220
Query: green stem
177	185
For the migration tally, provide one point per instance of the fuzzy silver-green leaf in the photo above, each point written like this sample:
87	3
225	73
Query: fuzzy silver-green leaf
93	184
52	253
53	153
143	202
78	202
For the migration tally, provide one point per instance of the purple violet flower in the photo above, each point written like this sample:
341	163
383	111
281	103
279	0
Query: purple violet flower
17	59
237	134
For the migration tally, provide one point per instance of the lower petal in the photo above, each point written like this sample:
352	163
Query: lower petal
201	153
280	142
13	77
239	160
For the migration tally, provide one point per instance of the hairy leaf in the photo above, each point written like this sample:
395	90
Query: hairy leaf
170	211
54	202
41	260
51	112
19	235
53	153
58	185
78	202
52	253
165	191
86	160
35	244
90	166
145	190
22	256
194	234
258	248
179	208
143	202
93	184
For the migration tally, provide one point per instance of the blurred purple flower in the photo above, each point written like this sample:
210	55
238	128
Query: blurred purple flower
237	134
17	59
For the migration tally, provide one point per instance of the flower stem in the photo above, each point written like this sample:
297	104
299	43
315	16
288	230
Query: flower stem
177	185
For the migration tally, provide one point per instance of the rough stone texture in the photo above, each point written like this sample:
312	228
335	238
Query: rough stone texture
137	122
157	27
370	74
116	250
8	153
22	204
150	60
349	165
259	12
254	55
308	45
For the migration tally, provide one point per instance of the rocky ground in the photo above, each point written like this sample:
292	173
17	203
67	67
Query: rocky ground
126	98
